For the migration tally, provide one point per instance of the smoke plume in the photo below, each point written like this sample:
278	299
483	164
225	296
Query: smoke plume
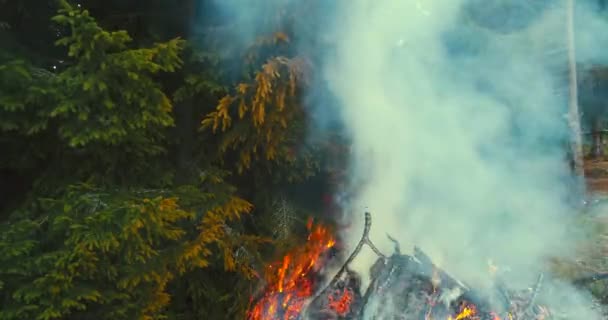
458	128
456	110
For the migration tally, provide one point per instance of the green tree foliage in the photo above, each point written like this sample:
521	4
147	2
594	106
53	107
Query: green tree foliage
113	203
84	99
22	94
95	248
106	98
103	58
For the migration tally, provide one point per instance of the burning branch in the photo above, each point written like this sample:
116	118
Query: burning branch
340	275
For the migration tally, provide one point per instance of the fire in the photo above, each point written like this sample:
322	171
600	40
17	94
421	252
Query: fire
291	282
467	311
497	317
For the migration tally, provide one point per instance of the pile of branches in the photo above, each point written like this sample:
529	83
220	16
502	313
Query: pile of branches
412	287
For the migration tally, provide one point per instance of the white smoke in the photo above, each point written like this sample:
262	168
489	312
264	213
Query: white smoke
459	153
450	147
456	112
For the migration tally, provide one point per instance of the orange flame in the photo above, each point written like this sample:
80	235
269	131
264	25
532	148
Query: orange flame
290	282
466	311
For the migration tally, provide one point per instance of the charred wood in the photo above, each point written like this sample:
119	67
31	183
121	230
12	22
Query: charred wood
343	275
406	286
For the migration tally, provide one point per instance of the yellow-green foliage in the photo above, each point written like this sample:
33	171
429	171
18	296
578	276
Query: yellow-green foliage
117	249
260	117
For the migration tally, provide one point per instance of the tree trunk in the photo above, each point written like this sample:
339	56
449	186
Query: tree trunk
597	151
574	117
185	129
186	119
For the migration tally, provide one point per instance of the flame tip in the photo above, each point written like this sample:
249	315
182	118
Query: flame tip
291	282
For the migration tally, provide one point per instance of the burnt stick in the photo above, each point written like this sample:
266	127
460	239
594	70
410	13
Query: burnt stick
364	240
448	280
396	243
530	304
537	287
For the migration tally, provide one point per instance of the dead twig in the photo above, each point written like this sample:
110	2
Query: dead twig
530	304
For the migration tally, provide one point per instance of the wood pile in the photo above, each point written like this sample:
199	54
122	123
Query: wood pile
412	287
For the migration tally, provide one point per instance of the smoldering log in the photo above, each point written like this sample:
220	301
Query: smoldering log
412	287
341	300
406	286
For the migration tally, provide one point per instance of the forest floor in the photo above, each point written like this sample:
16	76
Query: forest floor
592	256
596	174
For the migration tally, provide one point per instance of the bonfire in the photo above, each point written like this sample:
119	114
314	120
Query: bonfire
402	287
291	282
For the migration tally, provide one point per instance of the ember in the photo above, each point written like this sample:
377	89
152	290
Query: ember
341	303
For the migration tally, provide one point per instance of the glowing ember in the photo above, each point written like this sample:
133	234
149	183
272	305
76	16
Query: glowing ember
341	304
291	282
